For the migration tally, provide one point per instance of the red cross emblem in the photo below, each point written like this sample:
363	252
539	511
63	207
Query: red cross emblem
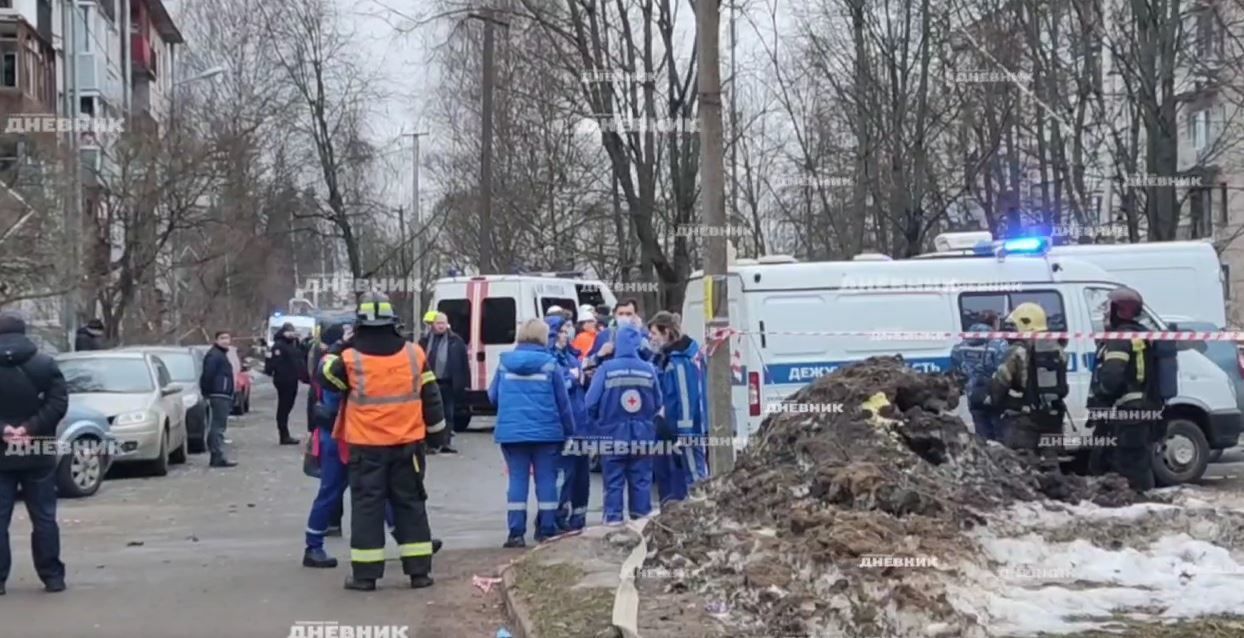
631	401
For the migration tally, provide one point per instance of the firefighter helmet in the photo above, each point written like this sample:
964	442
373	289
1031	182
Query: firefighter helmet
1027	317
1124	303
374	309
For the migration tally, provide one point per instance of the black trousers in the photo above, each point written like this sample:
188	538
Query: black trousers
393	476
286	396
1127	450
38	487
421	453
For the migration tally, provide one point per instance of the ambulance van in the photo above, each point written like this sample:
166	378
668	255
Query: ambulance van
773	300
487	310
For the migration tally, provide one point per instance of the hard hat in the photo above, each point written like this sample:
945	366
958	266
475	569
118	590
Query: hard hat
429	317
375	310
586	313
1028	317
552	310
1124	303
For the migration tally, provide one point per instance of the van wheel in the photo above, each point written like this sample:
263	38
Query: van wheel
1182	455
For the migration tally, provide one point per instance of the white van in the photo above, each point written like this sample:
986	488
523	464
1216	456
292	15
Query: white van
486	311
943	295
1175	277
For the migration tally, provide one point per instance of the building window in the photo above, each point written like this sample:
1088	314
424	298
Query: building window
1200	134
8	74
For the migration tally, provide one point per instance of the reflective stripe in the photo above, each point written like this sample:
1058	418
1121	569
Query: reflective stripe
317	532
367	555
1118	356
433	429
539	376
358	393
408	550
1130	396
327	370
544	506
517	507
1138	345
429	377
628	382
685	423
372	310
579	510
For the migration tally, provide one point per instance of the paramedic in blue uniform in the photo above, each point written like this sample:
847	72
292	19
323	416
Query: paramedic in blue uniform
682	394
973	361
624	400
1123	392
533	421
577	480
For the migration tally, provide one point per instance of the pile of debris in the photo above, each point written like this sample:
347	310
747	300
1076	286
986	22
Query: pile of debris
864	521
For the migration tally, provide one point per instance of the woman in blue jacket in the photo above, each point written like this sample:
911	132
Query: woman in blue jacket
575	467
533	421
683	396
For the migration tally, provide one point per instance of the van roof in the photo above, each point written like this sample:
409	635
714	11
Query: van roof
1149	248
832	274
515	278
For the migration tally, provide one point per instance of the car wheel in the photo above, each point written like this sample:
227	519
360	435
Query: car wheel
1182	455
159	467
179	455
81	472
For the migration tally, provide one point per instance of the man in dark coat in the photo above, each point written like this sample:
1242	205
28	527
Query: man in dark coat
90	337
33	400
447	358
216	383
286	365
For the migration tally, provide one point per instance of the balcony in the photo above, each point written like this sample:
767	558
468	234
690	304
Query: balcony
142	54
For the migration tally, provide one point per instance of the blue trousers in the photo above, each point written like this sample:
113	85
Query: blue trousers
631	473
334	480
987	424
576	489
520	460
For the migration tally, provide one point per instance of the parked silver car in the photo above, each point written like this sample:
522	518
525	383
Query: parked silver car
185	366
137	394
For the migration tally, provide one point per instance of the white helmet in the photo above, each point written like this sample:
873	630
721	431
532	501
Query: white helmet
586	313
552	311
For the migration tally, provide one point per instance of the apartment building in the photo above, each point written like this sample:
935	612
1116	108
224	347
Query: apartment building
154	39
28	78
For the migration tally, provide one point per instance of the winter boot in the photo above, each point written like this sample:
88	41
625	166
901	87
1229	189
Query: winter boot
360	584
318	558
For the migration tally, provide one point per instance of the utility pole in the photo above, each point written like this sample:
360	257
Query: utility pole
716	294
416	226
488	16
734	121
73	210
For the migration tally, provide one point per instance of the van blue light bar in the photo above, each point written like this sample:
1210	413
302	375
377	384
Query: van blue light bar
1022	245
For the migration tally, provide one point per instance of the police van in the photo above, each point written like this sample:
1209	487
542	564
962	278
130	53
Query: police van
1175	277
774	299
487	310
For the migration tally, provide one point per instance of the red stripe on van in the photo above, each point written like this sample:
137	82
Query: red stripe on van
477	291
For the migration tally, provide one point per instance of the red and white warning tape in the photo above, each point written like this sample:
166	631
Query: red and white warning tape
722	334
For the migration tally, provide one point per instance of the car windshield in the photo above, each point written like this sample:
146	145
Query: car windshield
180	366
112	375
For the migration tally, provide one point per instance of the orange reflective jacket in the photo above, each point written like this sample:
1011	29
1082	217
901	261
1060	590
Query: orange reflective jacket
384	405
583	343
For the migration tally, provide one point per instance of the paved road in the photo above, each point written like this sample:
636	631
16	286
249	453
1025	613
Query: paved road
206	553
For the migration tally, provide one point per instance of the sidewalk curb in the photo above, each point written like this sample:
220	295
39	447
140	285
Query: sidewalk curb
516	611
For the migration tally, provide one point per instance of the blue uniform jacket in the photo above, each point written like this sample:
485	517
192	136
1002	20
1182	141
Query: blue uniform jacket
977	360
568	359
683	389
624	398
529	390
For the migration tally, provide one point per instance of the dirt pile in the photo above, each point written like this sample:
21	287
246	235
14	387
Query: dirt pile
850	522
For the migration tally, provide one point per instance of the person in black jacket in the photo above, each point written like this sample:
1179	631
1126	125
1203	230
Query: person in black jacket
33	400
285	365
216	382
90	337
447	358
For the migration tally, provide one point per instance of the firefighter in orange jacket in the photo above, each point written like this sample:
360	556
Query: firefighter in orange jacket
392	403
